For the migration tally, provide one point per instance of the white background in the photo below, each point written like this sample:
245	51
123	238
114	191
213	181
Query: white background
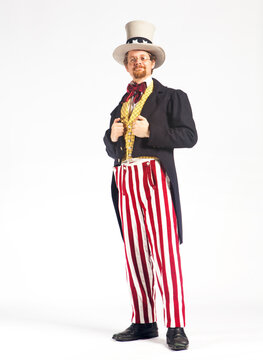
63	290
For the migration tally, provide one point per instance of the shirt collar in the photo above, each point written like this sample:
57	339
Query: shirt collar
148	80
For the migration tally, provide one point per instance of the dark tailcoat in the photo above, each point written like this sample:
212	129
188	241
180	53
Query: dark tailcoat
171	123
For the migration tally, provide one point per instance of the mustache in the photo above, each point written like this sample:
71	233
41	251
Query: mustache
139	67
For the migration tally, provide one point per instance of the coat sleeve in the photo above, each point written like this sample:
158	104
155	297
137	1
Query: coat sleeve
176	129
111	147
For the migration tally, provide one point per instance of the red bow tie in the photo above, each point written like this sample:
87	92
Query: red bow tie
135	90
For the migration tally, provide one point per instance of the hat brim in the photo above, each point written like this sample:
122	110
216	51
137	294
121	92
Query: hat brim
120	51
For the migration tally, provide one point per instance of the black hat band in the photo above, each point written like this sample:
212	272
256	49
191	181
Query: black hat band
140	40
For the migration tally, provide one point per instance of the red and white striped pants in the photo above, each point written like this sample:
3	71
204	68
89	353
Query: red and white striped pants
151	241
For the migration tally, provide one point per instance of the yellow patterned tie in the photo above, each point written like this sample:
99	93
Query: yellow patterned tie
128	120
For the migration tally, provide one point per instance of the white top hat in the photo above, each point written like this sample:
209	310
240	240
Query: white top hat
139	37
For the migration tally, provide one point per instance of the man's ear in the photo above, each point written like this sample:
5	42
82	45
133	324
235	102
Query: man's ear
153	64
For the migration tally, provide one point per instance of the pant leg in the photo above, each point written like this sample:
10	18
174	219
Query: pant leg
139	266
161	228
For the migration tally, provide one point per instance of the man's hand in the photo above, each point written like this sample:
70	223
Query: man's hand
141	127
117	130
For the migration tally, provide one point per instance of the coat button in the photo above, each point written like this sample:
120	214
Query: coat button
121	148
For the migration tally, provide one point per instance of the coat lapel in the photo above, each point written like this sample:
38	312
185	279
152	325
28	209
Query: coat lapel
154	99
118	110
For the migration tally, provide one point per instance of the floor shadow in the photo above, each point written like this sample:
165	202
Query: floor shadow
84	326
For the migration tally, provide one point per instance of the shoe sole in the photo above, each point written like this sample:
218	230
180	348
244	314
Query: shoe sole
138	338
178	348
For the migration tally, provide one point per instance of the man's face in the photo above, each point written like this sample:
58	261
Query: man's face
139	65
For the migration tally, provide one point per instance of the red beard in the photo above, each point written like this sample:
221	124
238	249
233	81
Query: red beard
139	72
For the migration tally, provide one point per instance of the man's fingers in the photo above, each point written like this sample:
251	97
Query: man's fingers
118	126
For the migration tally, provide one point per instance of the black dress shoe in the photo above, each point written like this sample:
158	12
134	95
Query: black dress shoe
176	339
137	331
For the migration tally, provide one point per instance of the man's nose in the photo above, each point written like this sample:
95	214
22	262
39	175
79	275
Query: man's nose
138	61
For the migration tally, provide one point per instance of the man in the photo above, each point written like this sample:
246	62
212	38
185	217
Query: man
148	123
